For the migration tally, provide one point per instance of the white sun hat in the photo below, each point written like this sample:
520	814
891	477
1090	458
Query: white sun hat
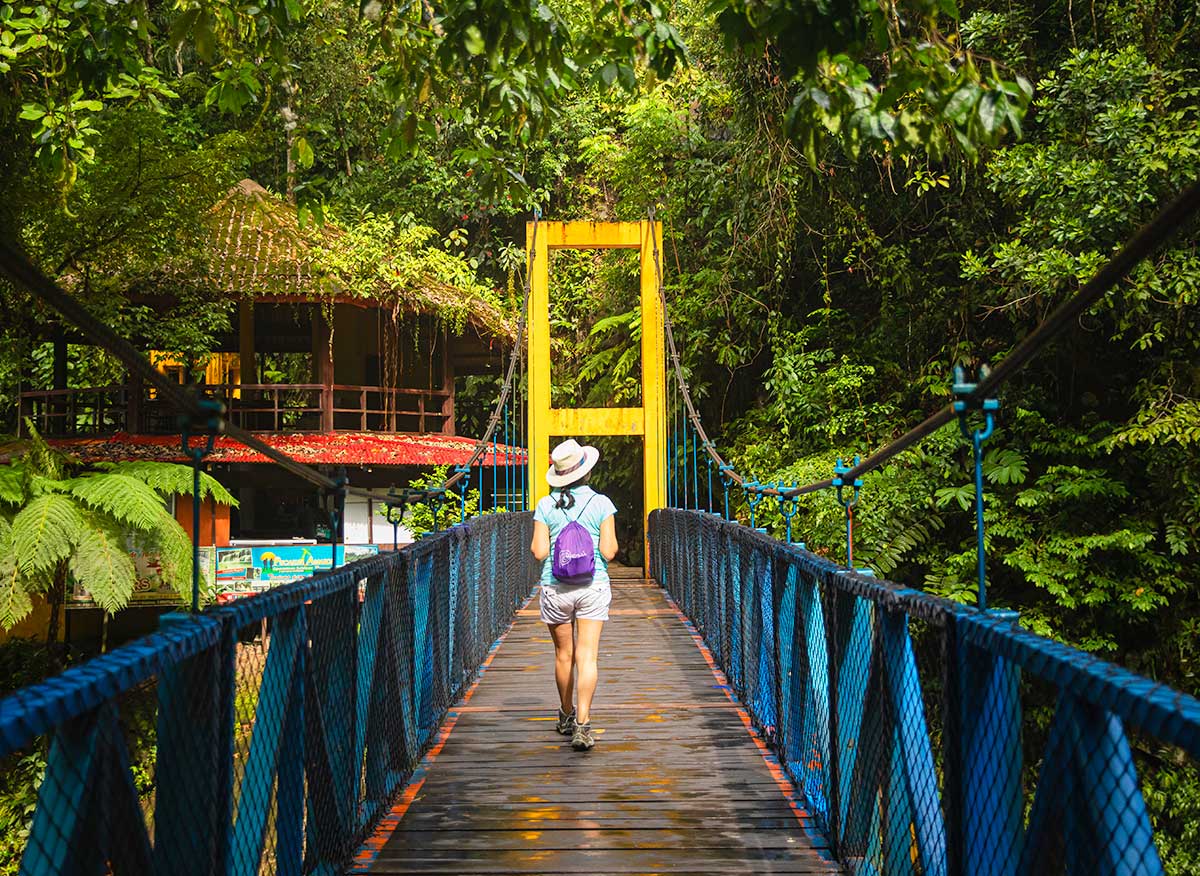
571	462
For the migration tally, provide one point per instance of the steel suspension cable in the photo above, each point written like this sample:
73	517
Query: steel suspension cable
1144	242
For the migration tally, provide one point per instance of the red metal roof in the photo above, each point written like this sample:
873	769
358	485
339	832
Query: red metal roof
331	448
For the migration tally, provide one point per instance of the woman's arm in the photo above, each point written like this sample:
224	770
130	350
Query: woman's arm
608	537
541	540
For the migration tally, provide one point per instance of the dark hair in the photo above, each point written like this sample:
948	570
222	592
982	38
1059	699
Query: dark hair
565	500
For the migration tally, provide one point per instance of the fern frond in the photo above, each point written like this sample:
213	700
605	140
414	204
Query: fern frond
170	479
40	485
121	497
102	564
174	549
12	484
46	531
15	604
41	458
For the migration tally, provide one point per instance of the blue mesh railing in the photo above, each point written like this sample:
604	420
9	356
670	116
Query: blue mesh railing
269	735
925	736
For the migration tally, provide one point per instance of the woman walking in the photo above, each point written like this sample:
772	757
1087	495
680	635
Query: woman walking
575	592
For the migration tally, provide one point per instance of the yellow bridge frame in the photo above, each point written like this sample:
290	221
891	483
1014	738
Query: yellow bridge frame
650	420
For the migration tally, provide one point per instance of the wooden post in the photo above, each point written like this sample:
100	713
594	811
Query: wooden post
447	386
247	363
133	403
323	360
61	408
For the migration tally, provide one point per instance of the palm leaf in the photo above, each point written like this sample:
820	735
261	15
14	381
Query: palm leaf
12	483
121	497
14	600
170	479
45	532
102	564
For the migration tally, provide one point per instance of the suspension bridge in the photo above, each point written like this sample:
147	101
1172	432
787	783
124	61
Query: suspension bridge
763	708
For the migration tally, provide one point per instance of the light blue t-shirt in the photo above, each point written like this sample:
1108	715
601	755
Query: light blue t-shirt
590	509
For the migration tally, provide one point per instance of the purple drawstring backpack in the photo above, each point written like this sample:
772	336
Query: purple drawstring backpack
574	559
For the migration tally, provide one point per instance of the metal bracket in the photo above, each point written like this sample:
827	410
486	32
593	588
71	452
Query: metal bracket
839	469
788	506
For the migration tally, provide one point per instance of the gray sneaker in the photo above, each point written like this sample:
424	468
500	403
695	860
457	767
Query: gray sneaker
566	723
583	738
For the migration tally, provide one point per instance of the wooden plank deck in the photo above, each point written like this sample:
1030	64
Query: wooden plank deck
677	782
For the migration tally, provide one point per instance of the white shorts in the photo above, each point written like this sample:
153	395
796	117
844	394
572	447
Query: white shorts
561	605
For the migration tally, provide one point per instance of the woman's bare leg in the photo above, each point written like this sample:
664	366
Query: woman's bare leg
587	650
564	663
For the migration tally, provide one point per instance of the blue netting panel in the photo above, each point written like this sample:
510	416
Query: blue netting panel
269	735
925	737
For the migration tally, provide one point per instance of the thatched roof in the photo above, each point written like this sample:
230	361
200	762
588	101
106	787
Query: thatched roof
259	249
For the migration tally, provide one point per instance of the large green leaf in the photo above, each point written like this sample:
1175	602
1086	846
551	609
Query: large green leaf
102	564
14	600
121	497
45	532
174	549
170	479
12	483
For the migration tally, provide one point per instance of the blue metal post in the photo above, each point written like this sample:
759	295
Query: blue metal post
753	497
990	795
963	404
686	491
508	502
671	478
848	503
465	471
696	465
788	505
726	483
708	459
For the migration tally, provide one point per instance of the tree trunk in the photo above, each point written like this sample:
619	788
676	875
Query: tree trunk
288	114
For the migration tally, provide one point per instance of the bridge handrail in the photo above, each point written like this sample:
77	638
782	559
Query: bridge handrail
37	709
290	750
1159	709
841	672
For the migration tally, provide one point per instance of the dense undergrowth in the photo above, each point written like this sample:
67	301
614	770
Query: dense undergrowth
820	300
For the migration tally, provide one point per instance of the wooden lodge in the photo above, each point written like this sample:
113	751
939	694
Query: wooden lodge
356	379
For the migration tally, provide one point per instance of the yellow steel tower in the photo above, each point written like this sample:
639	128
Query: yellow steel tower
650	420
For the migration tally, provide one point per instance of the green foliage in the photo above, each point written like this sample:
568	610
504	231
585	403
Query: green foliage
439	513
55	518
930	96
169	479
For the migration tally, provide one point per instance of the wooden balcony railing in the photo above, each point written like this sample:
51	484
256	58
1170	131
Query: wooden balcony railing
259	407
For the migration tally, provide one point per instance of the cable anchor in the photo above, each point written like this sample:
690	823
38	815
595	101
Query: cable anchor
726	482
840	469
966	402
397	504
337	513
788	505
465	471
754	496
